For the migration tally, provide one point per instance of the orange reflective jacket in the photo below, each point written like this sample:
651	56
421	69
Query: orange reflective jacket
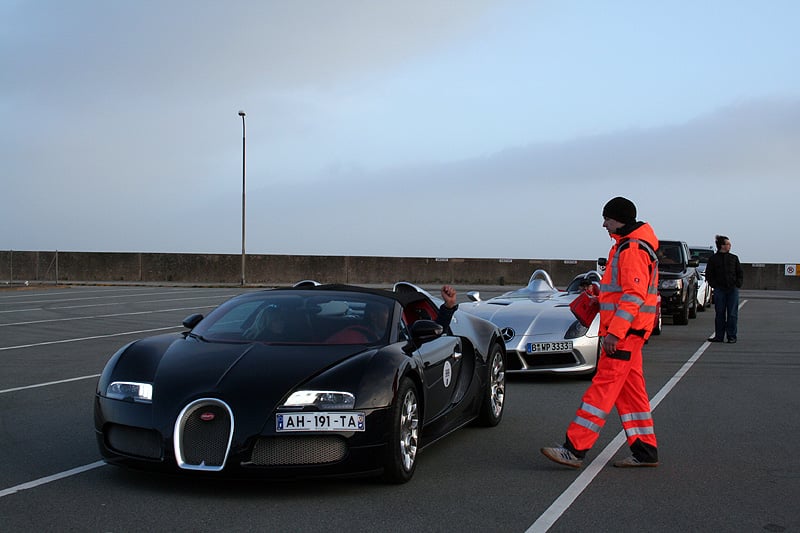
629	288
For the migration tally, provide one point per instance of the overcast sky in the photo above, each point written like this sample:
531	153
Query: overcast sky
427	128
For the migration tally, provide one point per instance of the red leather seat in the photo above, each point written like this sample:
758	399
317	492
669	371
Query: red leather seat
349	335
418	311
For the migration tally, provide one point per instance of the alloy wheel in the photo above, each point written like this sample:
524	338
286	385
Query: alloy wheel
409	429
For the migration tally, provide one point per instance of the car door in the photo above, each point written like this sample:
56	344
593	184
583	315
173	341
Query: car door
441	365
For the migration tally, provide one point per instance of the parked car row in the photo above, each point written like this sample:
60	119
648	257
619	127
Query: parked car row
543	336
338	380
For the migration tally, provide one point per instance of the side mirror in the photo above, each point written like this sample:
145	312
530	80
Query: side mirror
423	331
474	296
192	320
601	261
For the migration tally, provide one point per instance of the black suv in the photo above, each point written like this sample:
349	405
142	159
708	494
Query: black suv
677	281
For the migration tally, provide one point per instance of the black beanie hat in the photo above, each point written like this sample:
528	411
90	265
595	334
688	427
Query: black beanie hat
620	209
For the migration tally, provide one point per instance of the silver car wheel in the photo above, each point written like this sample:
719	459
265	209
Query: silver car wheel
493	399
497	383
409	429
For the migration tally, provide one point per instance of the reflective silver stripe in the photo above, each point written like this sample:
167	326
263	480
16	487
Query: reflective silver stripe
632	432
646	247
606	306
632	298
588	424
607	287
653	287
592	410
615	272
647	309
636	416
624	314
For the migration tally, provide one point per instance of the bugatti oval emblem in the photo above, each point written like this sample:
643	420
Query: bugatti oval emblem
508	333
207	417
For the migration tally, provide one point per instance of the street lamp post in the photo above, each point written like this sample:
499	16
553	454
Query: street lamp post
241	114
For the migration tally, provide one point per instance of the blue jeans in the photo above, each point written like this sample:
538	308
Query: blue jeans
726	305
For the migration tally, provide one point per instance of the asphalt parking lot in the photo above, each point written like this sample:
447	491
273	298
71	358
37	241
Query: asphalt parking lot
726	417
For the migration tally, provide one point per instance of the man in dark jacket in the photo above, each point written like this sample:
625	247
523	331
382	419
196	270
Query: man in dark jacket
724	273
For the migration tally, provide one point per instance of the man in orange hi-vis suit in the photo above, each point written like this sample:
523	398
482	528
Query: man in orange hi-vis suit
628	299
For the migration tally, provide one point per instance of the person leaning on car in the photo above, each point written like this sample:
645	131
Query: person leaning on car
449	306
628	299
725	275
446	311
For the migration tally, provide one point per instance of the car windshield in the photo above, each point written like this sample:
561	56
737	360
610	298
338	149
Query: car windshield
300	317
582	281
701	254
670	258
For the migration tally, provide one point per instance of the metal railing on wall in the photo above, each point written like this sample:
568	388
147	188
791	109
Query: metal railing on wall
52	268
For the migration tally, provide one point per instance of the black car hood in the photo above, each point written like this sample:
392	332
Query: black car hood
251	378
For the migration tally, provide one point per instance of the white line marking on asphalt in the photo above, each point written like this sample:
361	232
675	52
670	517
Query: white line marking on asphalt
213	297
568	497
26	387
48	479
108	304
4	348
71	292
113	315
105	297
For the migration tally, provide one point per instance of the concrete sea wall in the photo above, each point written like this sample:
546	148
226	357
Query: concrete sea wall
269	270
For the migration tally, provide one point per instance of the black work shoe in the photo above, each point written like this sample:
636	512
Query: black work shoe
714	339
732	341
633	462
562	456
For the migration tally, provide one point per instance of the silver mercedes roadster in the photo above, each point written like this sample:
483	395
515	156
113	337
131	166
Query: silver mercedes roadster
541	333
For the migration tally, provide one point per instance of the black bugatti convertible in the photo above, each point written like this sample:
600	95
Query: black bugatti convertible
314	380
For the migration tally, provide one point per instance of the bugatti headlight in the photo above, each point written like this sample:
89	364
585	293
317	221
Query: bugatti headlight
576	330
322	399
130	391
671	284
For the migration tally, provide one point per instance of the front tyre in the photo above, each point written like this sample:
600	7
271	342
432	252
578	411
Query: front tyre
401	453
682	316
494	395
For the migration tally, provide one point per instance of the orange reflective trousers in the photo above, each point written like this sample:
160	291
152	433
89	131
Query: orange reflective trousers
619	383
